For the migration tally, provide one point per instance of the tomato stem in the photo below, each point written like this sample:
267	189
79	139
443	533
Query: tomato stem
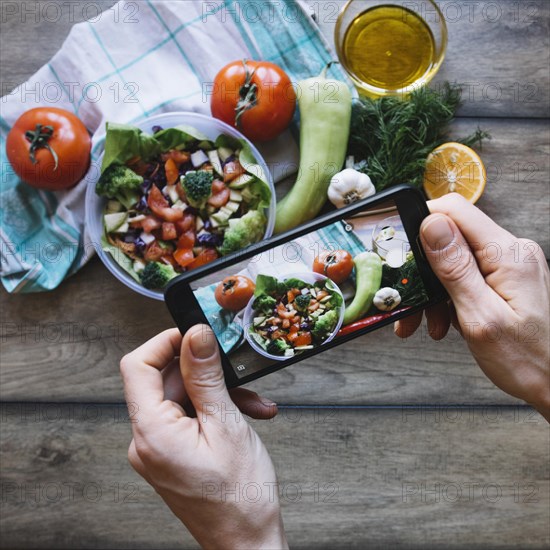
248	97
39	139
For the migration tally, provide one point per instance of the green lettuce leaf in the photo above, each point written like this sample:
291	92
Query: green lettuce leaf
265	284
124	142
179	137
336	298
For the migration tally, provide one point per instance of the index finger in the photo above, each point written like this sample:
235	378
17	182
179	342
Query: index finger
141	369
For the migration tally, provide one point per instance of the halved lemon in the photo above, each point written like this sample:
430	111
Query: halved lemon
454	168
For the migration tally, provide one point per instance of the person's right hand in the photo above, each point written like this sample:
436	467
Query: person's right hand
499	290
192	444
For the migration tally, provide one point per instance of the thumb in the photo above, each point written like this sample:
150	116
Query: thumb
202	372
453	262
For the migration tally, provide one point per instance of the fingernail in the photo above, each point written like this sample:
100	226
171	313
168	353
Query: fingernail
267	402
202	344
437	232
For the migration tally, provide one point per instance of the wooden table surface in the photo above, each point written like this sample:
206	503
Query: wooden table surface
382	442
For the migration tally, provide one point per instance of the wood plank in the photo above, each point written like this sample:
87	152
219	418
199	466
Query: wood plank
32	32
499	50
348	479
66	344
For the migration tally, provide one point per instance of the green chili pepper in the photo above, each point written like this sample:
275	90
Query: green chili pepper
368	277
325	114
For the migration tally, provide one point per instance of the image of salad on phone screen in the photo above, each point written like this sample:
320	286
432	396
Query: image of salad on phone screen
331	282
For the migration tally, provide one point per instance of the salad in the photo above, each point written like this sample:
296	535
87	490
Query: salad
177	200
293	316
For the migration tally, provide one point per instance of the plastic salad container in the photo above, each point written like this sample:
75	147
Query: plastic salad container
308	277
95	205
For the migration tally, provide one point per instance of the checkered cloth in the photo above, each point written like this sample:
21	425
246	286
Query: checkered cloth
136	60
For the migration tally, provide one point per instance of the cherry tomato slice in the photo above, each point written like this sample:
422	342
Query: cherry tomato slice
184	256
159	205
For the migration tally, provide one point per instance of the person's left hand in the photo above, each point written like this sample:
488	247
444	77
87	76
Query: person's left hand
192	444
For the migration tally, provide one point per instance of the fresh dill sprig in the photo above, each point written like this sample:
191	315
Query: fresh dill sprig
390	138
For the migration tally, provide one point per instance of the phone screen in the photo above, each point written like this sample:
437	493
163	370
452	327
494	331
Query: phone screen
320	287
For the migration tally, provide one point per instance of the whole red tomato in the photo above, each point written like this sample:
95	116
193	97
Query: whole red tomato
257	97
49	148
234	292
337	265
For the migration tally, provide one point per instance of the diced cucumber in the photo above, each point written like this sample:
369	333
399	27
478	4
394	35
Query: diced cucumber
114	221
247	194
325	299
220	218
289	352
232	206
172	192
235	196
199	224
258	321
241	181
180	205
258	339
224	153
224	212
210	209
198	158
147	238
215	161
139	266
113	206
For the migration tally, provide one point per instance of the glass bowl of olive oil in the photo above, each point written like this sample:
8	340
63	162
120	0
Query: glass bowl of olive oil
390	47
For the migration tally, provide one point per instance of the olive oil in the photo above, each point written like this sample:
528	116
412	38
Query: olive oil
389	48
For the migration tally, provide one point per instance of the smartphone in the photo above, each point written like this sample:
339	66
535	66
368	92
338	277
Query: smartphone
296	312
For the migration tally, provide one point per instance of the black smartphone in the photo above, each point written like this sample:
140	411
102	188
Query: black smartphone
309	295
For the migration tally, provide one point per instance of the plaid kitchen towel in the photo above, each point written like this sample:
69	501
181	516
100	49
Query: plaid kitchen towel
135	60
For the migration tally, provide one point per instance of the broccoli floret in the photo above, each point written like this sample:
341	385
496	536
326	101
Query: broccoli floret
325	325
294	283
120	183
301	302
277	347
243	232
264	304
198	187
156	275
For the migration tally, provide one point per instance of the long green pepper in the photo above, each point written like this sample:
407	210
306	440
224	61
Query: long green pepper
325	115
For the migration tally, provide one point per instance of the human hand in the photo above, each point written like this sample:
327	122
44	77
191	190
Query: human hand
499	290
192	444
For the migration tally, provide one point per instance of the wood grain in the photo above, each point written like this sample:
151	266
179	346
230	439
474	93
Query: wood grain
348	479
66	344
32	32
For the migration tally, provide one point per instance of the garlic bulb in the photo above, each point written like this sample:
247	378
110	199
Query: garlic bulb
386	299
349	186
